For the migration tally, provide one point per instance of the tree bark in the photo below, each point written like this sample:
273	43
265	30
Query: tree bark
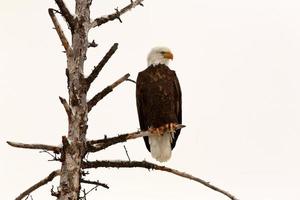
74	144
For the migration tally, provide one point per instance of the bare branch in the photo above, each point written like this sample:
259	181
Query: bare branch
95	183
116	15
66	106
101	64
97	145
59	31
42	182
148	165
106	91
66	14
55	149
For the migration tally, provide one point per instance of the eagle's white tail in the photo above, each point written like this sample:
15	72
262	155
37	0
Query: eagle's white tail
160	146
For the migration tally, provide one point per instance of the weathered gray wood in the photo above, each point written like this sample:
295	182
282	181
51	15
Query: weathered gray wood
74	144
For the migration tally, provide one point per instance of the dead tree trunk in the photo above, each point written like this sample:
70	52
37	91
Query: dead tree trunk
74	145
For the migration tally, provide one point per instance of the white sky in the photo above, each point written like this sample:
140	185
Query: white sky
238	64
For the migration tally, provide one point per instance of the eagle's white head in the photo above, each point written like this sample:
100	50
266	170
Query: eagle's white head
159	55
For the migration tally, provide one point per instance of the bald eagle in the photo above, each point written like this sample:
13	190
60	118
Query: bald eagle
158	98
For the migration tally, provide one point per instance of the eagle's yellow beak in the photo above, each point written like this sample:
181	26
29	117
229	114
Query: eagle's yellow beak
168	55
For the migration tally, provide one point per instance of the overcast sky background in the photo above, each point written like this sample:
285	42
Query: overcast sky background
238	65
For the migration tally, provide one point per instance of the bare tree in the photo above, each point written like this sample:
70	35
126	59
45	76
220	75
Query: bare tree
75	146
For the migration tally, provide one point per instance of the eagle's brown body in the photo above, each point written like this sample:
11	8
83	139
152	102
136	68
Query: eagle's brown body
158	97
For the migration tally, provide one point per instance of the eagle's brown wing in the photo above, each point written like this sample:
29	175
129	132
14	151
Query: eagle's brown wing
178	108
139	103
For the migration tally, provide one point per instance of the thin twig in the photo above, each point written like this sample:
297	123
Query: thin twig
130	80
66	14
126	153
60	32
42	182
54	157
55	149
95	183
86	193
117	15
47	152
148	165
105	91
101	64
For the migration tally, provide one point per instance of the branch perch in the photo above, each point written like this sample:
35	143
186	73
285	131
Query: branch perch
59	31
101	64
42	182
55	149
148	165
105	91
116	15
66	14
97	145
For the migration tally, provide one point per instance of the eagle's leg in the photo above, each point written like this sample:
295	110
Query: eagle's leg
173	127
154	131
166	128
